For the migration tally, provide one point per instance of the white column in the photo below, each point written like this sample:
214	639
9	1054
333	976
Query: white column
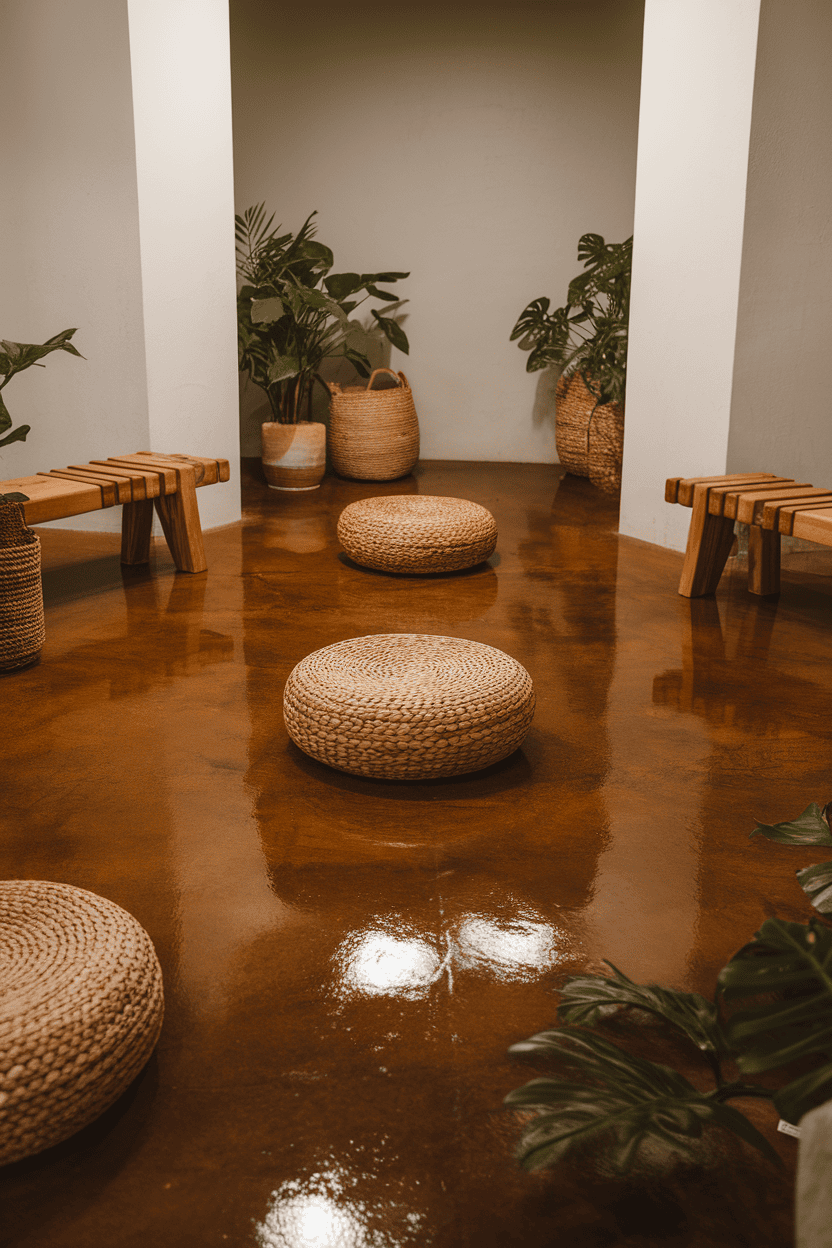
180	59
694	126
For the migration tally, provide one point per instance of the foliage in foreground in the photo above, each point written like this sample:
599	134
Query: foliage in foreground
14	358
772	1007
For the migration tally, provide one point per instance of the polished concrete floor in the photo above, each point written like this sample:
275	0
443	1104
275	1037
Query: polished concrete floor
347	961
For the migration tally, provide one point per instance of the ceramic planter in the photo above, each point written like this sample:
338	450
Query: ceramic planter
294	456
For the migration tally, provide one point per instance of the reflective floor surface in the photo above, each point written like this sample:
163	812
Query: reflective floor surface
346	961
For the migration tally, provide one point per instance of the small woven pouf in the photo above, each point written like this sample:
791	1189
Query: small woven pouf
80	1010
408	706
417	533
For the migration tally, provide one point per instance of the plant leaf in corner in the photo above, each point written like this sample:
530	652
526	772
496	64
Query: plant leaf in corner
816	883
810	828
584	999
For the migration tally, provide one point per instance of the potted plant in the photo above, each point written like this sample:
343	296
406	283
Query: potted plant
587	340
293	313
21	596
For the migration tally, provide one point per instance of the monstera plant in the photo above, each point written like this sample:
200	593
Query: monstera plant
772	1007
293	313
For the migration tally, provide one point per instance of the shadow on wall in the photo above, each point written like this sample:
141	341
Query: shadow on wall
543	412
254	404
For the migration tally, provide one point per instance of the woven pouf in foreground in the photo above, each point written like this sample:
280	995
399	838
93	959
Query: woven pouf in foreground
417	533
80	1010
408	706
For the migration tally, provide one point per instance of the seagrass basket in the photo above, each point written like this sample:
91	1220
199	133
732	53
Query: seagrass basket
21	596
589	437
80	1011
408	706
373	429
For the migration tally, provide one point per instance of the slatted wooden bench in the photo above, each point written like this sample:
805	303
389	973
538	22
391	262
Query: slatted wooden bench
772	506
138	483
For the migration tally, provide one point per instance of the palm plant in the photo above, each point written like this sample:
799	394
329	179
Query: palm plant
589	333
292	313
772	1007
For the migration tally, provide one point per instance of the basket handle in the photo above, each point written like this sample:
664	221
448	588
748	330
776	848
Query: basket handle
395	376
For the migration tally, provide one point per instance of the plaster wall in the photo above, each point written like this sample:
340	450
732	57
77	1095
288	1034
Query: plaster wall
780	418
69	246
471	144
182	107
696	106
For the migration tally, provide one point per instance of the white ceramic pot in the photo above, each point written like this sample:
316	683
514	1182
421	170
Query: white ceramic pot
294	456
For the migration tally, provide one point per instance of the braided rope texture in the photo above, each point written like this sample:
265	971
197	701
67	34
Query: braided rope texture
417	533
373	434
408	706
81	1008
22	631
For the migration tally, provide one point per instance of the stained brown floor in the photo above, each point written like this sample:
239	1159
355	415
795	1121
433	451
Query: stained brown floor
346	961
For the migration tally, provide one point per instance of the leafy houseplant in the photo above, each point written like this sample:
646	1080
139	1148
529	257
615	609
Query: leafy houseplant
14	358
586	340
293	313
772	1007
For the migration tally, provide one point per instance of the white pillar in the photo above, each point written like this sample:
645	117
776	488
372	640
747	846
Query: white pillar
694	126
180	58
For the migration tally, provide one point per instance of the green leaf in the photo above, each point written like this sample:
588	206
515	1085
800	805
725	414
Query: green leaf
793	963
359	361
810	828
282	367
623	1103
340	285
5	417
816	883
266	311
383	277
584	999
393	332
381	294
17	435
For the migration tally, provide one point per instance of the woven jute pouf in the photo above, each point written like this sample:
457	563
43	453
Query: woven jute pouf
417	533
373	429
22	630
408	706
80	1010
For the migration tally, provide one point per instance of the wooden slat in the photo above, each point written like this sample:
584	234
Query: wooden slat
765	511
720	494
145	482
51	498
746	507
205	470
671	489
165	474
814	526
780	516
688	484
108	490
136	480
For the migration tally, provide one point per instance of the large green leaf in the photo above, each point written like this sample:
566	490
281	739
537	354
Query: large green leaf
789	965
15	356
5	416
816	883
393	332
16	435
381	294
266	311
584	999
810	828
340	285
622	1102
282	367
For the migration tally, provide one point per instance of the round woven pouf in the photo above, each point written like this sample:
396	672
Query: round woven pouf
80	1010
408	706
417	533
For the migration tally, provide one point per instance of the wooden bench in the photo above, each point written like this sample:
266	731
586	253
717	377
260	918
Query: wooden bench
138	483
772	507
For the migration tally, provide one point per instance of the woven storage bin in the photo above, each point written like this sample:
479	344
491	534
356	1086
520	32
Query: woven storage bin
80	1011
373	429
589	437
408	706
417	533
21	595
606	447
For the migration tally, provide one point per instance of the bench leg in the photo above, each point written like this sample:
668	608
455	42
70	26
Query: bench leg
136	523
179	515
763	560
709	543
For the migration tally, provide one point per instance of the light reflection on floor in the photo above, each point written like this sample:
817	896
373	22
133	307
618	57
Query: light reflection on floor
323	1212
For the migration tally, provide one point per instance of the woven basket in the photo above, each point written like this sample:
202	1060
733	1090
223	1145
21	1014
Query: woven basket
373	429
21	595
417	533
589	438
80	1011
408	706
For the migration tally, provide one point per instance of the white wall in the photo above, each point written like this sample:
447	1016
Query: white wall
780	412
696	98
471	144
69	247
182	106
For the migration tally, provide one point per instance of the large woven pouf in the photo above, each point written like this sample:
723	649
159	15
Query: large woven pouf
408	706
417	533
80	1010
